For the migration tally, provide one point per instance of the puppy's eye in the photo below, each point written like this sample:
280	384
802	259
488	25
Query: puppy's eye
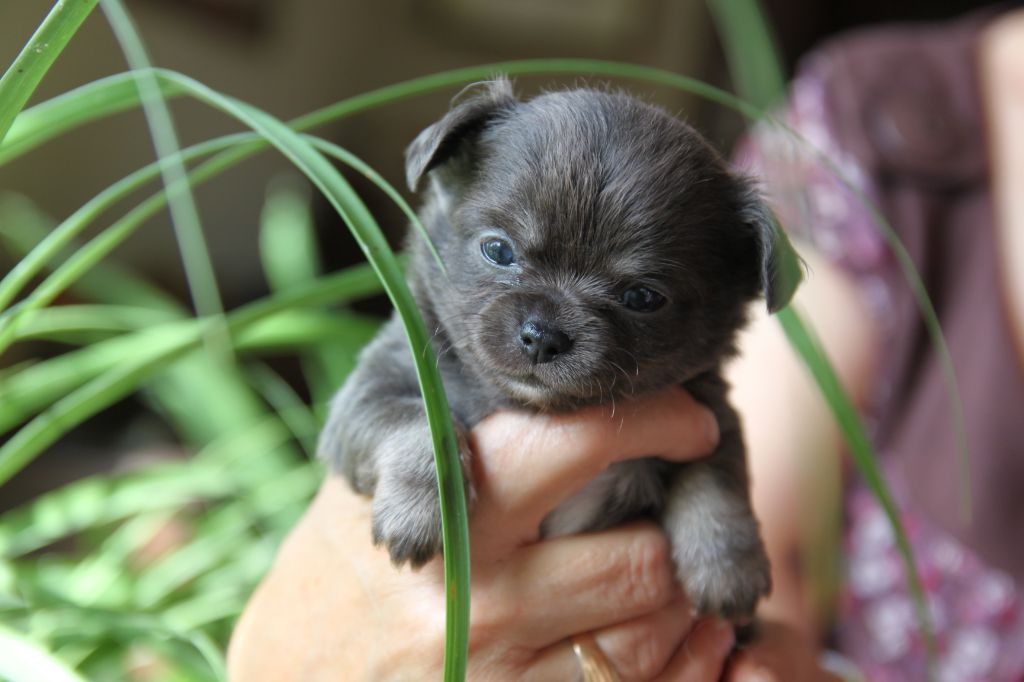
498	251
642	299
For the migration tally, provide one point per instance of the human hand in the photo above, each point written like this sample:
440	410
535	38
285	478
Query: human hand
333	604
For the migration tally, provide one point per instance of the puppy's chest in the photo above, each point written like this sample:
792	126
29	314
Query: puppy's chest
623	491
470	400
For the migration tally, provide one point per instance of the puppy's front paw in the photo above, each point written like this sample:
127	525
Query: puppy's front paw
728	583
407	520
406	508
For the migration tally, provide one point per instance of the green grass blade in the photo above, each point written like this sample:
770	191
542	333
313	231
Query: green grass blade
757	71
812	353
200	397
454	516
184	215
35	59
357	164
43	383
58	239
47	120
750	50
62	619
70	323
32	388
117	93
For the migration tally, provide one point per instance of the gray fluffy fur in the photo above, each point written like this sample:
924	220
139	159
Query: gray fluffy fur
595	192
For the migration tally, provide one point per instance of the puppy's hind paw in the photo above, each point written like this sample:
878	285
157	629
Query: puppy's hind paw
730	587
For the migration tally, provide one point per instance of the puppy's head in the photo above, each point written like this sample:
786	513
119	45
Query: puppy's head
595	246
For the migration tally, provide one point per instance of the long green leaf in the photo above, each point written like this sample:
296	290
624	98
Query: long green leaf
353	161
63	619
750	49
70	320
454	515
45	121
38	55
300	420
160	347
858	445
757	71
184	215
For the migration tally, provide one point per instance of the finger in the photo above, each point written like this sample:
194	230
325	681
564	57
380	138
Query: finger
575	584
701	657
638	649
527	463
777	653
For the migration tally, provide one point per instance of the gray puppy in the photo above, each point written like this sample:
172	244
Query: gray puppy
597	248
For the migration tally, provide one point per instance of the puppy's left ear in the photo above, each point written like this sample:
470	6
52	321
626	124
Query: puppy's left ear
440	141
781	266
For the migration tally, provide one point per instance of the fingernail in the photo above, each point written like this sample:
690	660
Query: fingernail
711	427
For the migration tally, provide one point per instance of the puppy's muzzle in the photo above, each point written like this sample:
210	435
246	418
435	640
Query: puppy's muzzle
542	341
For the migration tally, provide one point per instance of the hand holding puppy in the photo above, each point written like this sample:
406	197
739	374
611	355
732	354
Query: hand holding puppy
333	605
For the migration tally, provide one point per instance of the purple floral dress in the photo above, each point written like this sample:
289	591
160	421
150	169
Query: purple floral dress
976	610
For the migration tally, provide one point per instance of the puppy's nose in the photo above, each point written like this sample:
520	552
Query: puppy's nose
542	342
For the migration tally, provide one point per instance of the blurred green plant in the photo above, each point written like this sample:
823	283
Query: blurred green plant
110	604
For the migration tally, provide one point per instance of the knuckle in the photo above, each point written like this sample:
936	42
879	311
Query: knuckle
650	580
642	654
488	620
482	633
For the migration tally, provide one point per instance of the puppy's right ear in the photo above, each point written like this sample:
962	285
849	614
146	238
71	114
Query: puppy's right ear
440	141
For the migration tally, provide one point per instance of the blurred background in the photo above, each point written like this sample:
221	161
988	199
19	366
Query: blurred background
292	57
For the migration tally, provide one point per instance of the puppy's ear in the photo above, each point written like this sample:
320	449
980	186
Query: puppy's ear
440	141
781	266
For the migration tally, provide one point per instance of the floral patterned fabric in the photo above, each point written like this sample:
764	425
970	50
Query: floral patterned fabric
975	610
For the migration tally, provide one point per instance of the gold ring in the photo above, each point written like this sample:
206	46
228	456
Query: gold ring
594	665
